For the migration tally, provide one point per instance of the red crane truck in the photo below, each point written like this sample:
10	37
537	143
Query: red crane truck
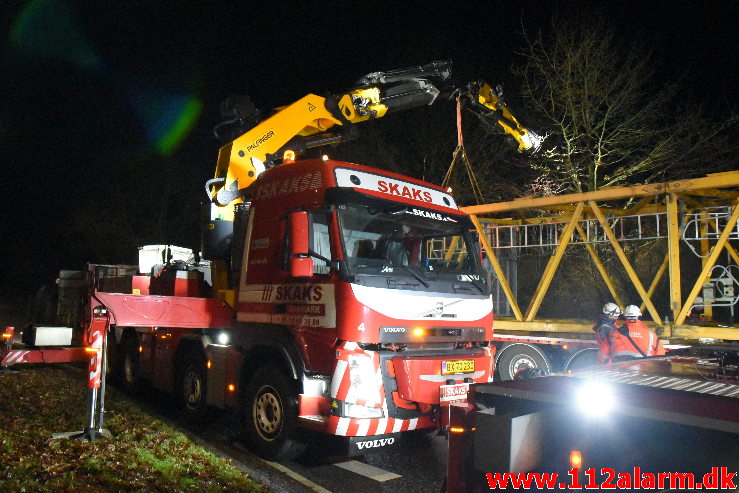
342	298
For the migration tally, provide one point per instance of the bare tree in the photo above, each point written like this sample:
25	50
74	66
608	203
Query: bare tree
608	121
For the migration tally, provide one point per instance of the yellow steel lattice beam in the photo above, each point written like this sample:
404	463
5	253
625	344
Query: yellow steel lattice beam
599	265
452	246
705	252
625	262
715	180
731	249
710	262
673	250
551	268
657	278
498	270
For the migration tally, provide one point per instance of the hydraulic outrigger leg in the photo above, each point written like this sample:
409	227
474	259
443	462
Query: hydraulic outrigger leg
97	349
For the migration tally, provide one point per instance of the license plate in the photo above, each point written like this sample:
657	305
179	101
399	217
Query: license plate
453	393
457	366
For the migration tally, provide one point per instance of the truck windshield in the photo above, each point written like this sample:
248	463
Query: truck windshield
393	245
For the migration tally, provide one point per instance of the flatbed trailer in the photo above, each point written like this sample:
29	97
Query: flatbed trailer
615	426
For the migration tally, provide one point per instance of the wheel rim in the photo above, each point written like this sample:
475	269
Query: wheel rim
267	413
520	362
192	386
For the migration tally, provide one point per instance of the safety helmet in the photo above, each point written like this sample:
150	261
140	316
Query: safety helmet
632	311
611	309
698	306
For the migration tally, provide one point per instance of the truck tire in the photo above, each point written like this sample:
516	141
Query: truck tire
191	387
582	359
130	373
271	412
517	357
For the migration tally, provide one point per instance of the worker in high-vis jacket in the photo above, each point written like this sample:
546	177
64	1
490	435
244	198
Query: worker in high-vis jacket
633	339
604	328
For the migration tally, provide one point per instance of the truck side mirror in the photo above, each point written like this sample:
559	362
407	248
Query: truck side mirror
301	265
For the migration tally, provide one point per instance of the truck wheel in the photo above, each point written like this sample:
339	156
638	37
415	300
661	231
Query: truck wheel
518	357
130	375
271	409
582	359
191	386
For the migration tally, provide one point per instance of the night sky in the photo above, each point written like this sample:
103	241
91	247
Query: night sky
100	97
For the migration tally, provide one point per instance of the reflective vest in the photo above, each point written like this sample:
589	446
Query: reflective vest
642	336
603	328
604	349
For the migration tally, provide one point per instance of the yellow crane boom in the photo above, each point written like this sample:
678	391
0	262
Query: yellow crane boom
312	121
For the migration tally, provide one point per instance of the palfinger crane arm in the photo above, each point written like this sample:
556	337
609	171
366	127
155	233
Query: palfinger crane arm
488	103
312	121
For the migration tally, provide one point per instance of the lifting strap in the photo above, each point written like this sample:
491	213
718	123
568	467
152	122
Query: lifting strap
628	336
460	152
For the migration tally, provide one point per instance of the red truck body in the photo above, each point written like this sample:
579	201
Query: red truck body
365	342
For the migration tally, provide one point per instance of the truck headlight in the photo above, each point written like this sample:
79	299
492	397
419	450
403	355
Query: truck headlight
223	338
363	379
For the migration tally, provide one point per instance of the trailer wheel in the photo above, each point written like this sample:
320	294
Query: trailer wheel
130	375
191	386
518	357
271	408
582	359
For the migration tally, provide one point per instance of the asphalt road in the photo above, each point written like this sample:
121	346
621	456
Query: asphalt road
416	464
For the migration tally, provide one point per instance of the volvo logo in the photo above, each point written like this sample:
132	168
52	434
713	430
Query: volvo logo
393	329
375	443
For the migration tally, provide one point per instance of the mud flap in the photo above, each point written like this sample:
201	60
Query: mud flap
363	445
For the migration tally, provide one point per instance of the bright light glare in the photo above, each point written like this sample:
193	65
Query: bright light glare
595	399
223	338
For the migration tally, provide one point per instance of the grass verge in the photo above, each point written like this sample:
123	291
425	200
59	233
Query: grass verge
144	454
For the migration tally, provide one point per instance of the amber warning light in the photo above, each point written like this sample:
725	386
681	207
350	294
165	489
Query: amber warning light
460	429
288	157
575	458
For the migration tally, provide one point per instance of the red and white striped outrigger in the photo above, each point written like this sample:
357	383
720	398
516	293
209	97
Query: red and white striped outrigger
93	352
